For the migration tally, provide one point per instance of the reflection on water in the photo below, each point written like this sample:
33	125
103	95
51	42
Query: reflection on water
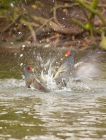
78	113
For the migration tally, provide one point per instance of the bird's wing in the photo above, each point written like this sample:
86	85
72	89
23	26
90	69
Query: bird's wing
61	69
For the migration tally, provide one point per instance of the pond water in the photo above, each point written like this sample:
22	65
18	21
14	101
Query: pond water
78	113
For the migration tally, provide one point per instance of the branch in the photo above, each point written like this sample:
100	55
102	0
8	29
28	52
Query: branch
43	21
30	26
11	24
90	9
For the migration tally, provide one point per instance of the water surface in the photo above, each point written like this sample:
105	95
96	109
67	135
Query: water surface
78	113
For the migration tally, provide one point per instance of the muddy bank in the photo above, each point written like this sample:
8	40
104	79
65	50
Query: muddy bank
52	24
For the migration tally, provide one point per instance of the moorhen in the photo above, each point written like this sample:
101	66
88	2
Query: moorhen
31	80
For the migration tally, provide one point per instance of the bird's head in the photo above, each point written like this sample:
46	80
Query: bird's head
28	69
68	53
71	53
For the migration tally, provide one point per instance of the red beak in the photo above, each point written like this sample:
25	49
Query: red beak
68	53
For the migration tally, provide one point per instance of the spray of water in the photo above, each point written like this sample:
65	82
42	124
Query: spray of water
86	70
47	76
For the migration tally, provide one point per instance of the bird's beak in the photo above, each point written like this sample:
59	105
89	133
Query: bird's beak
66	55
32	70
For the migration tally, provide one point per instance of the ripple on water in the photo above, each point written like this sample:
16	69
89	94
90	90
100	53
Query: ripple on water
78	113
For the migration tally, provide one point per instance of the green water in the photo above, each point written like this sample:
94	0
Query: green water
9	67
78	113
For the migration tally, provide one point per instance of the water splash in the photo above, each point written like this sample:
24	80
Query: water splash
48	76
87	70
11	83
47	62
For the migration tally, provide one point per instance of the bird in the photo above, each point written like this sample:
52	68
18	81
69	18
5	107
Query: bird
66	69
31	80
86	68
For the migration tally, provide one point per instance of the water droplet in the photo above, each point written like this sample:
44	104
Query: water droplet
19	33
21	64
23	46
47	45
11	43
21	55
11	4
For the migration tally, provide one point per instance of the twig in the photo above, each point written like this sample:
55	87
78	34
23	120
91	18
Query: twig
43	21
30	26
58	26
11	24
90	9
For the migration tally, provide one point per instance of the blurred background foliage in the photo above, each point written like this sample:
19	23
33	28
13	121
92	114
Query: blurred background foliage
69	17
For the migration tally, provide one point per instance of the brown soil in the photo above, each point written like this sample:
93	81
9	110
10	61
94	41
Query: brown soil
61	33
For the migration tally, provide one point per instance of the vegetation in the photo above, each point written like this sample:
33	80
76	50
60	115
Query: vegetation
52	21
